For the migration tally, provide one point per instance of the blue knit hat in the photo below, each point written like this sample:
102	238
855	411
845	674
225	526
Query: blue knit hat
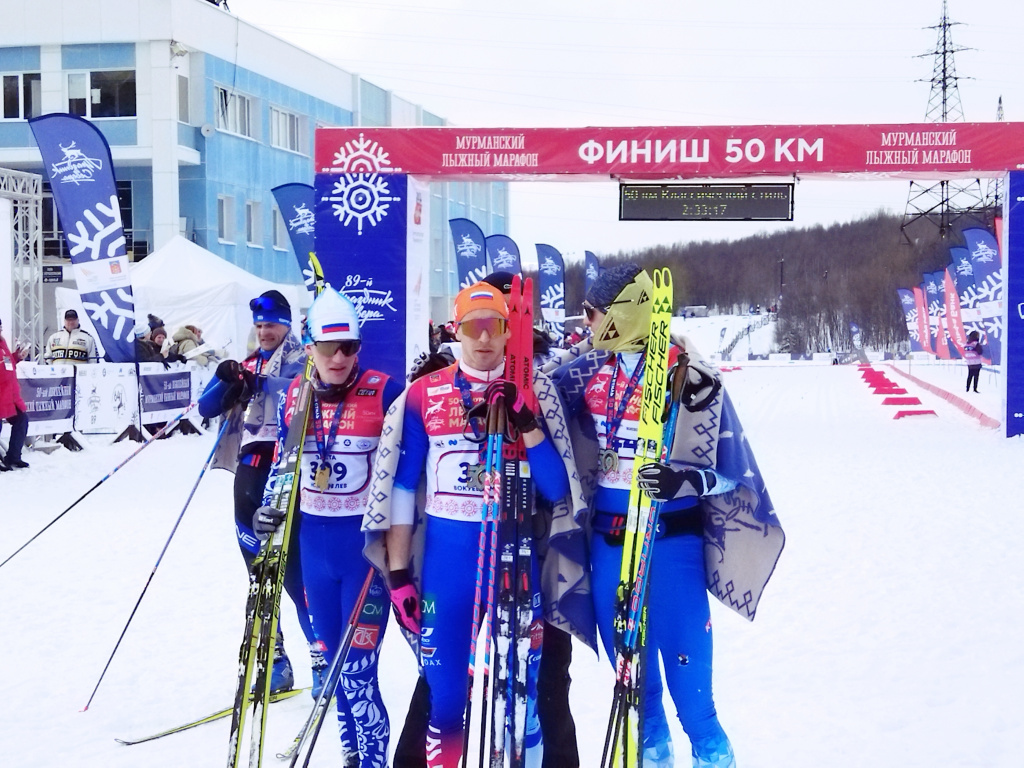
610	284
271	307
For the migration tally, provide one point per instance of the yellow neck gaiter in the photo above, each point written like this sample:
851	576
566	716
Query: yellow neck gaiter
627	323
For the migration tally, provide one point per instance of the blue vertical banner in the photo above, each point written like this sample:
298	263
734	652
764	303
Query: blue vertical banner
988	288
592	269
372	249
76	159
963	274
297	203
1013	240
944	347
470	251
551	276
931	288
503	254
909	307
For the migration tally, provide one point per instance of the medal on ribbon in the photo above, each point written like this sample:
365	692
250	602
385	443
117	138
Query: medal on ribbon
609	457
322	477
475	473
609	460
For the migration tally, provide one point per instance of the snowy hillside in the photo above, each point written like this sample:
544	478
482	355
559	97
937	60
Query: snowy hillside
889	635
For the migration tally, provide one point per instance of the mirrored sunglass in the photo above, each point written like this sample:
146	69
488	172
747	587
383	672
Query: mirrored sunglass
495	326
348	347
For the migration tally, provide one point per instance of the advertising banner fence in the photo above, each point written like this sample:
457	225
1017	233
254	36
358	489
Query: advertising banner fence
49	395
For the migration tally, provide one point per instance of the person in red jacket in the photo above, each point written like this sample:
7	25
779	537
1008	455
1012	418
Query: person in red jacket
12	407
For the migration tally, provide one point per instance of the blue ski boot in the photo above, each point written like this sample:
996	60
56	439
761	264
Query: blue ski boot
281	676
319	665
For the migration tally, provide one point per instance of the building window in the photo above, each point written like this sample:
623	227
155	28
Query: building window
22	96
280	231
102	94
285	130
234	113
253	222
183	116
226	219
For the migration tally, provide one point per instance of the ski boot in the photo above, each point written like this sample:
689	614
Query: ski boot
319	665
281	676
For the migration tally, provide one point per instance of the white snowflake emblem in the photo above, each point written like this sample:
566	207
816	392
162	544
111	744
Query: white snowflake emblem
908	300
363	155
964	267
361	196
931	287
591	272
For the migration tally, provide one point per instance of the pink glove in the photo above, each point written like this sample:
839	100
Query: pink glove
405	600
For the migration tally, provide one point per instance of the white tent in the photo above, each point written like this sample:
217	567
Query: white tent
182	283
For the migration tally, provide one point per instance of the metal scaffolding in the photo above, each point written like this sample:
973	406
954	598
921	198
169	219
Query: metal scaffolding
945	202
25	191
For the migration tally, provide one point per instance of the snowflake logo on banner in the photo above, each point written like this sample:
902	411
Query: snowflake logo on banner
467	247
360	196
984	254
549	267
591	272
931	287
363	155
553	297
964	267
503	259
115	312
83	241
911	318
303	221
908	300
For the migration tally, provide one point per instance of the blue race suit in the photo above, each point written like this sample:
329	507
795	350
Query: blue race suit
678	615
433	441
333	567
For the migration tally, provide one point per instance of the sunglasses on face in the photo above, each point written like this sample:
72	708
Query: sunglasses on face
348	347
474	329
591	310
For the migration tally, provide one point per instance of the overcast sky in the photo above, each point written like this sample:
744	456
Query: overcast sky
663	62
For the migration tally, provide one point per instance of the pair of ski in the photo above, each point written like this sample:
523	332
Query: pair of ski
503	601
266	583
655	434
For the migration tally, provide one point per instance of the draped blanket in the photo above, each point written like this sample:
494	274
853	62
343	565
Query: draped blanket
743	538
559	534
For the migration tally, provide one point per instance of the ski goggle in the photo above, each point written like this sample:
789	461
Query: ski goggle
263	303
348	347
474	328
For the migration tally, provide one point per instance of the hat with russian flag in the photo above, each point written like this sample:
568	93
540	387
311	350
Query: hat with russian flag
332	318
479	296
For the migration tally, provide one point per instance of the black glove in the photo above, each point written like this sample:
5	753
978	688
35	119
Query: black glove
242	384
519	413
428	363
266	520
663	483
700	387
165	362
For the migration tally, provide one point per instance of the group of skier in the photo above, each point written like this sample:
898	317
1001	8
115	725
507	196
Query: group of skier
392	487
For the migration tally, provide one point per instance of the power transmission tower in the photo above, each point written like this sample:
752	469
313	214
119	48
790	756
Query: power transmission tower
953	201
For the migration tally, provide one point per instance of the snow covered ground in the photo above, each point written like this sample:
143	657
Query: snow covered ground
889	635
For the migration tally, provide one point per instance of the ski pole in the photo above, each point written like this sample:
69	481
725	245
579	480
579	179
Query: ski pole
163	551
334	676
166	428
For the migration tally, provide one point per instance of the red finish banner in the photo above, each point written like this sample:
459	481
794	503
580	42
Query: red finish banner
919	151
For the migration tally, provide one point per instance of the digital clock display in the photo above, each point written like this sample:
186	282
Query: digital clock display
705	202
